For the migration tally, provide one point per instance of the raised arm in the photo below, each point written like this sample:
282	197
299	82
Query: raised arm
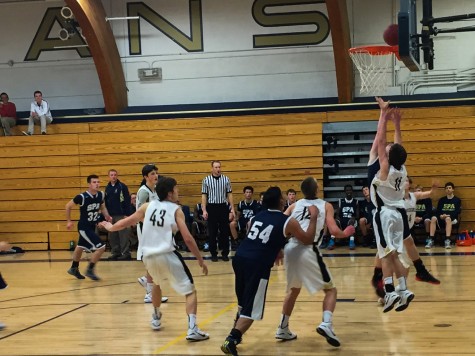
381	138
428	194
384	107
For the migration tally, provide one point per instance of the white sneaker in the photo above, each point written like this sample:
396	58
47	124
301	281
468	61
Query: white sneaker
285	334
448	245
326	330
406	297
143	281
429	243
156	322
196	334
390	299
148	298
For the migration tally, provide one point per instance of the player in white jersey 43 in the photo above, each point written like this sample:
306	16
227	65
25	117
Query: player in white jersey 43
304	264
161	220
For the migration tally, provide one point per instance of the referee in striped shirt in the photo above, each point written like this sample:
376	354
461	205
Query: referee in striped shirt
215	192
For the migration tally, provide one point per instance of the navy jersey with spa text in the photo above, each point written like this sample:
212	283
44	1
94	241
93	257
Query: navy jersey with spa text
89	206
266	237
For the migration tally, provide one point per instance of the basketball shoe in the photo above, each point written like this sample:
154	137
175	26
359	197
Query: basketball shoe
326	330
229	347
285	333
74	271
406	296
425	276
156	322
390	299
92	275
196	334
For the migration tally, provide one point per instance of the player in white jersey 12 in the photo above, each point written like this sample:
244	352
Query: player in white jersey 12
304	264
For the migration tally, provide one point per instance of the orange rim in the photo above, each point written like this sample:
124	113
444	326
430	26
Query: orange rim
376	50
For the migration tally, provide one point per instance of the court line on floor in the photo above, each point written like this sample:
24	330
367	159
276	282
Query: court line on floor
43	322
213	317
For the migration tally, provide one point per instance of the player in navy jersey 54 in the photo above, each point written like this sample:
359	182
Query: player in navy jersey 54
269	231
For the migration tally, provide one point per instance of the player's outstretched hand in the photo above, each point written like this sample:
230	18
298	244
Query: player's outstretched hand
349	231
4	246
435	184
383	105
106	225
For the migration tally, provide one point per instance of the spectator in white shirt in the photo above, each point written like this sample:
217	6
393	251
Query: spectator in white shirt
39	114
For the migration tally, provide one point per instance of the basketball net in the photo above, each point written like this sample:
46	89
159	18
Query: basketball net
373	64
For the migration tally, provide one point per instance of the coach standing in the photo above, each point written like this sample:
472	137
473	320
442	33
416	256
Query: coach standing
215	191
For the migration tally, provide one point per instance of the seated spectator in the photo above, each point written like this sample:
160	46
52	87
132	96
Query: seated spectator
423	211
246	209
39	114
367	209
447	215
291	198
259	202
346	213
199	227
179	242
7	114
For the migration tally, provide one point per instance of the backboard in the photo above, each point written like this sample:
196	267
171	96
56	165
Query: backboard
409	48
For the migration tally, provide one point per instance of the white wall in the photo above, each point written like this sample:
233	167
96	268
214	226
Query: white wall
228	70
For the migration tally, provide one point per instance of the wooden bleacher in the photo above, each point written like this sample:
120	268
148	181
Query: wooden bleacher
39	174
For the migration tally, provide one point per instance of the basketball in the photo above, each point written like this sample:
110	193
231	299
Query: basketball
391	36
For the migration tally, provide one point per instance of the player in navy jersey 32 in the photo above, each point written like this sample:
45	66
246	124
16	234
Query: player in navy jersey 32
91	205
269	231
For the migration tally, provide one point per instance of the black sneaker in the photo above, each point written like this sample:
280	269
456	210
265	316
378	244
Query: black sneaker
225	258
214	258
229	346
113	257
90	274
378	285
74	271
124	258
3	284
426	277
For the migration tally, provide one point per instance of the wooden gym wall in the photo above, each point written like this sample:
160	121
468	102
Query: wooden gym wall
39	174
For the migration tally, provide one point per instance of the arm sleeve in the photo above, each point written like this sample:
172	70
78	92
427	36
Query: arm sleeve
142	197
78	199
204	187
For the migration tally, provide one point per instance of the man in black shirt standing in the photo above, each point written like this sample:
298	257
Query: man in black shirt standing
215	192
117	202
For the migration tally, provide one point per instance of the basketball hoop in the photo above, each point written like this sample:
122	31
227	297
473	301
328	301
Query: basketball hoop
373	63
